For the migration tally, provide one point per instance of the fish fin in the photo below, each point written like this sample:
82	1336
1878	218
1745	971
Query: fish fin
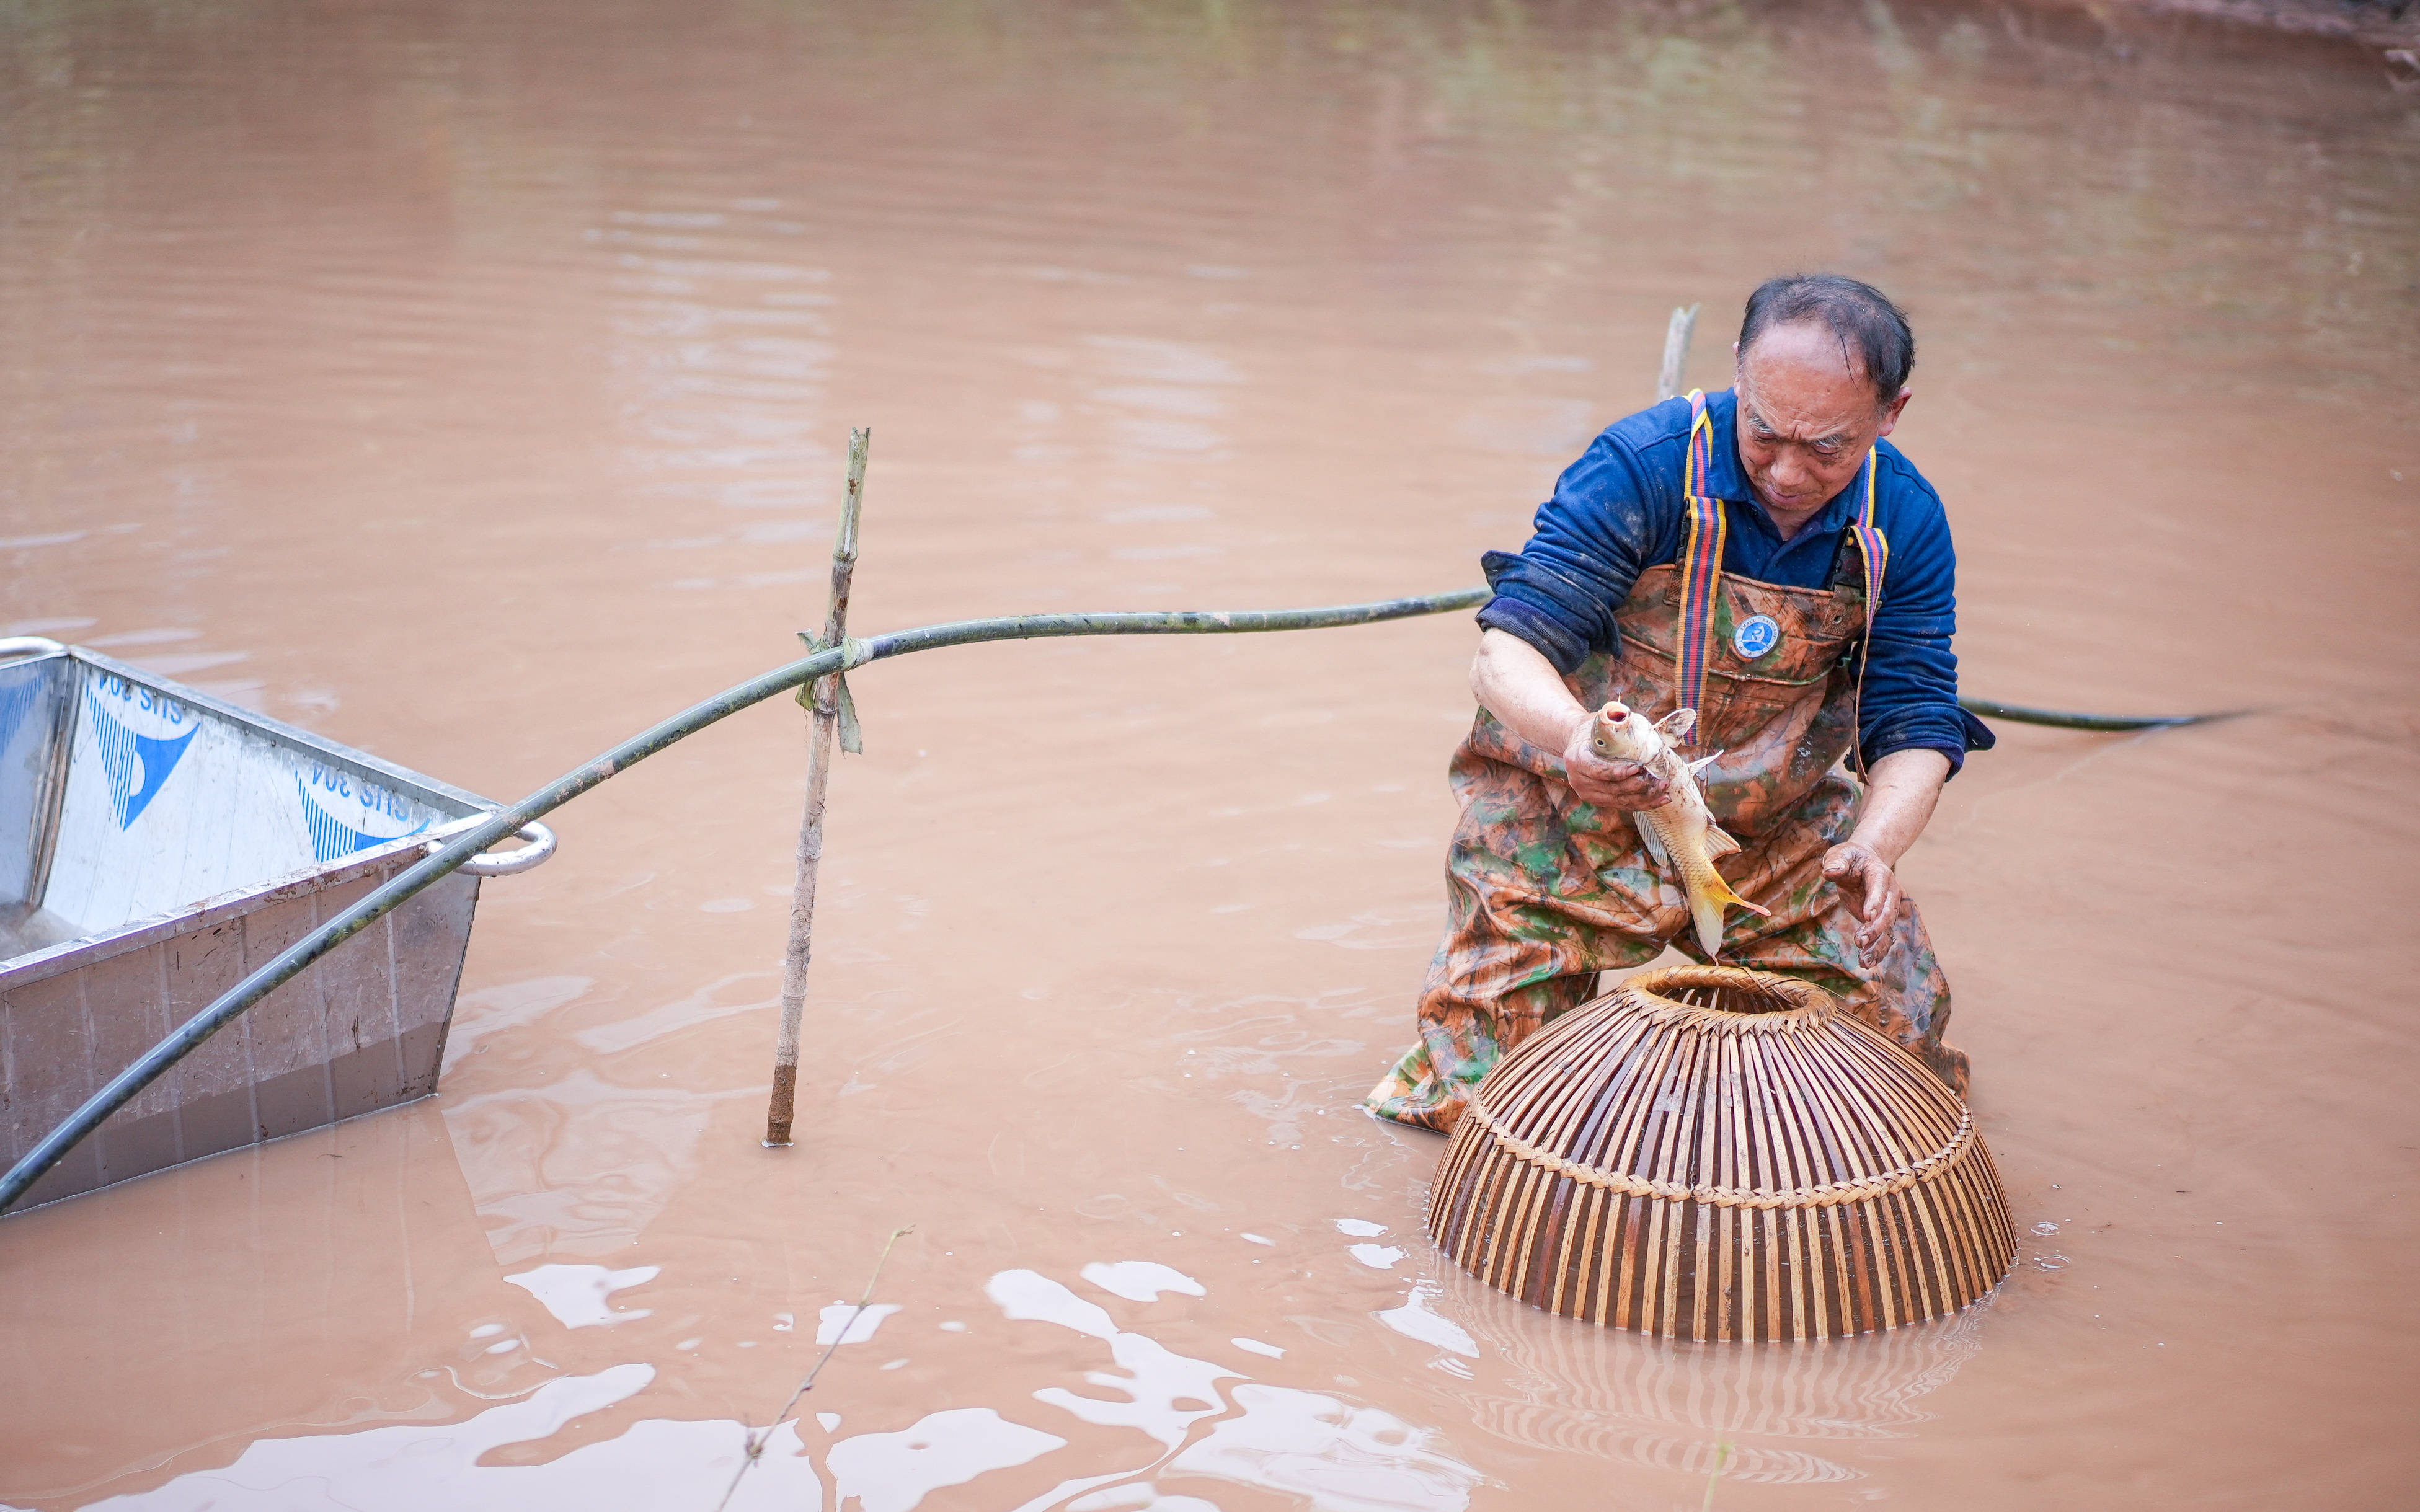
1675	726
1655	841
1709	895
1719	844
1702	762
1708	916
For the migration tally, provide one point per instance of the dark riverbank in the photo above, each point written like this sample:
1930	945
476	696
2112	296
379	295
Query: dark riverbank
2390	27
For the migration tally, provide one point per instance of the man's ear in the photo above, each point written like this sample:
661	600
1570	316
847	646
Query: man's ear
1891	414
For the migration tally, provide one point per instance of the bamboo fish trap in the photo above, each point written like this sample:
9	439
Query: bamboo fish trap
1711	1153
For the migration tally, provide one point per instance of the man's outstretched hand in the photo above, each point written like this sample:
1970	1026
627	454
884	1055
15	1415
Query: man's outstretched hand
1606	784
1870	885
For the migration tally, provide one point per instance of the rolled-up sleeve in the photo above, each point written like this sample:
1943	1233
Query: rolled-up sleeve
1591	540
1910	700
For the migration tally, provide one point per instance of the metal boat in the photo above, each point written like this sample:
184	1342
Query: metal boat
156	844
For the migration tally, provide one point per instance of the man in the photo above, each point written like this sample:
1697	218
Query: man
1764	557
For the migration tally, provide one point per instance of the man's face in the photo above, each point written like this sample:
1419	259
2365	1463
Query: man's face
1805	418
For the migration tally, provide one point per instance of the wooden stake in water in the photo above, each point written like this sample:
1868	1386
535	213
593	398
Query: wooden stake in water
1676	352
829	701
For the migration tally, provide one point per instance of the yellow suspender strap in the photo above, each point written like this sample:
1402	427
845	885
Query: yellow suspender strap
1701	563
1874	548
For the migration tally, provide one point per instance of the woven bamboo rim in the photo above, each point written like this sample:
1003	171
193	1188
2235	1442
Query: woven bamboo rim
1725	1000
1733	1197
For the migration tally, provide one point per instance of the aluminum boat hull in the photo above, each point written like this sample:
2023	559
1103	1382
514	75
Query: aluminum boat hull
156	844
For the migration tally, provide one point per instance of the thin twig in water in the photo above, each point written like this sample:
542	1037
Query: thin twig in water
1722	1458
756	1441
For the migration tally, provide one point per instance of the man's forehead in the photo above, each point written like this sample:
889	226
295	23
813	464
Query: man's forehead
1803	388
1808	347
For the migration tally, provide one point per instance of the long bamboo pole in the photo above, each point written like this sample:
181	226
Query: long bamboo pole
445	855
825	701
442	856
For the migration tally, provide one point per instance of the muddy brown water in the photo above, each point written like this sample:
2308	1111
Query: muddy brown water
470	382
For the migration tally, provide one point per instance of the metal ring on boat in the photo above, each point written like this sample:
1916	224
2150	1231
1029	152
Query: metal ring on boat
28	645
505	863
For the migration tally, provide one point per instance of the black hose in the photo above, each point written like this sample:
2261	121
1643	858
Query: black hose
2018	714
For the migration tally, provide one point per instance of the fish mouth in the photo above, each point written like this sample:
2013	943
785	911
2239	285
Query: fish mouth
1615	710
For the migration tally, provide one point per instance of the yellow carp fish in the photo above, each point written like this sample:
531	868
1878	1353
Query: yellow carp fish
1680	833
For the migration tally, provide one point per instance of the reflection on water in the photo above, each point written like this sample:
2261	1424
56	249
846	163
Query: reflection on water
1334	1455
723	353
575	1167
391	1288
1781	1409
894	1472
576	1294
1416	1320
1329	1454
656	1463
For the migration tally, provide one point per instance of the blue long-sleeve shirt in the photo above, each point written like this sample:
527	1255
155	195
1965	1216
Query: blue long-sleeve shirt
1620	510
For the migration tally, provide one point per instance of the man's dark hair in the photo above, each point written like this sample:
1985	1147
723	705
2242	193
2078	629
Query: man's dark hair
1874	334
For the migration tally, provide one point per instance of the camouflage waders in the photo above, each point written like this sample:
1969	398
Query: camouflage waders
1546	890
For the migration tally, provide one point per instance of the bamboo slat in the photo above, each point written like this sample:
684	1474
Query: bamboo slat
1712	1153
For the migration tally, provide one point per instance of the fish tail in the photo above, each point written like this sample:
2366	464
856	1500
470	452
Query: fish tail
1709	895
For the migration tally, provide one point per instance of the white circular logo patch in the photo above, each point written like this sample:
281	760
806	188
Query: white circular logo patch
1756	634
